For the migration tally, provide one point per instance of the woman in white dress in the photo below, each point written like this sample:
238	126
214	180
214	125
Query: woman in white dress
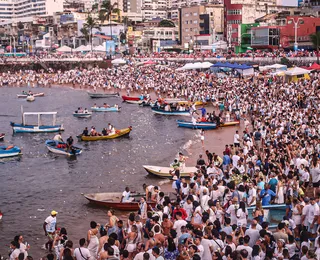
92	240
296	216
279	192
242	215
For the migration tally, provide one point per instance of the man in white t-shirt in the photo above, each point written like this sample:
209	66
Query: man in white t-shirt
235	159
252	195
82	253
188	207
126	196
312	217
50	227
236	140
15	250
179	223
245	246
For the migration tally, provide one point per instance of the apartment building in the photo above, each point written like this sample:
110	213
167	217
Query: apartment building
17	9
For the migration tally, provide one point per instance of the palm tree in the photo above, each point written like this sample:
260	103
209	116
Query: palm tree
106	11
166	23
91	24
315	39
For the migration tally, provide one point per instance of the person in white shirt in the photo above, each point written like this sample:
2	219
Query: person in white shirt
236	139
188	207
312	217
252	195
235	159
15	250
246	246
82	253
232	209
179	223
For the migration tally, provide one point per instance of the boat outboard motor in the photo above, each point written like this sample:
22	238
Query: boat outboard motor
73	151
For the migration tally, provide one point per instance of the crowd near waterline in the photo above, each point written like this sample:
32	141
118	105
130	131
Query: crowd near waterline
273	161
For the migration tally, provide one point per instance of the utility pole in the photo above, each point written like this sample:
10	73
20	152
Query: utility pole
296	23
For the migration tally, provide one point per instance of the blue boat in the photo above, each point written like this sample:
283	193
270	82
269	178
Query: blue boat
82	115
170	113
38	128
106	109
61	148
9	151
197	125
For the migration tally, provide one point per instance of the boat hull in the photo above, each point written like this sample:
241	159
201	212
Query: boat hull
133	101
231	123
106	109
14	151
35	95
82	115
102	95
120	133
125	98
198	125
2	137
164	172
112	200
51	146
170	113
19	128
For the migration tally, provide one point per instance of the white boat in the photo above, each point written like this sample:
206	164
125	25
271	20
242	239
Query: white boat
34	94
30	98
82	115
38	128
164	172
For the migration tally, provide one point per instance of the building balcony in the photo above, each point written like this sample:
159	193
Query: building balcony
201	25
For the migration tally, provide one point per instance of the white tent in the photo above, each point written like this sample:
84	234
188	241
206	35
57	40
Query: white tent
83	48
206	65
64	49
277	67
99	48
296	71
220	45
118	61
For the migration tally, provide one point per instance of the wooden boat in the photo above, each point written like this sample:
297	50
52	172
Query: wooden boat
197	125
112	200
146	104
82	115
30	98
119	133
231	123
183	102
26	95
170	113
61	148
133	101
106	109
39	128
102	95
164	172
9	151
125	98
2	137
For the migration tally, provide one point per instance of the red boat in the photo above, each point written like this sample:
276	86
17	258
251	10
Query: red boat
130	98
112	200
1	136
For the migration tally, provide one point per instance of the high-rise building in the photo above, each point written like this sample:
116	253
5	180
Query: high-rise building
132	9
154	9
17	9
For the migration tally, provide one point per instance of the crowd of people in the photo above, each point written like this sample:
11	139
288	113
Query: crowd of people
220	213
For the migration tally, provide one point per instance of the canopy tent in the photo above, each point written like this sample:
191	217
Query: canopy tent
206	65
82	48
195	66
277	67
296	73
231	66
118	61
64	49
99	48
314	66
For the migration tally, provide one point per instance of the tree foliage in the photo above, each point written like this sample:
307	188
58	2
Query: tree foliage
166	23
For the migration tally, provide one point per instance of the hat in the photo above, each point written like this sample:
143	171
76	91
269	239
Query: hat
306	199
53	212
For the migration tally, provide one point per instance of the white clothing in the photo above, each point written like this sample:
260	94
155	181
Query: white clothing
85	253
188	208
232	212
242	218
177	226
248	248
236	139
235	159
206	244
15	253
252	193
51	224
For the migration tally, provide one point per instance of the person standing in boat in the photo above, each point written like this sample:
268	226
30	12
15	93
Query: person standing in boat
126	196
85	132
58	138
69	142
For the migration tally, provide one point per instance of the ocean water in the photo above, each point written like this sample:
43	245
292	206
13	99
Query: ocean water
38	181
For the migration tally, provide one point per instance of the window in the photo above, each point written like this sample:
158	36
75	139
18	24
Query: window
186	14
234	22
186	30
187	22
195	21
234	12
195	14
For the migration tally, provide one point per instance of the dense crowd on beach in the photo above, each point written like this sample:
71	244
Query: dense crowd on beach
220	212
